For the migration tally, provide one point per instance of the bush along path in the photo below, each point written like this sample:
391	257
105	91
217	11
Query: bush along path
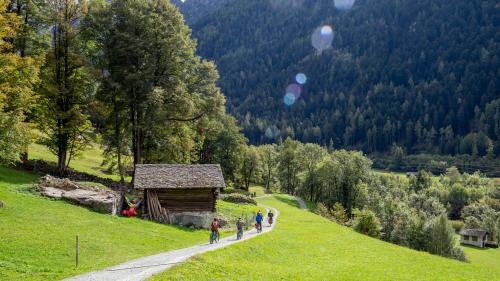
144	268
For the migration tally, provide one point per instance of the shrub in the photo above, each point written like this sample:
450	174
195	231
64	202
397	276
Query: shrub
234	190
238	198
441	237
339	213
323	211
457	225
367	223
458	254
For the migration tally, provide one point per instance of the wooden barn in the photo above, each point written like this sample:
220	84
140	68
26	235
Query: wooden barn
179	194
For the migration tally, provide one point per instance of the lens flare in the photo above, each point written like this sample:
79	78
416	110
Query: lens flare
344	5
289	99
301	78
322	38
294	89
326	30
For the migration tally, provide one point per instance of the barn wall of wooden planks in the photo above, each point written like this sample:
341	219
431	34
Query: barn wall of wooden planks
188	199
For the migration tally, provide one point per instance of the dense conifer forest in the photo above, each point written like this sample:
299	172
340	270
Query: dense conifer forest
420	75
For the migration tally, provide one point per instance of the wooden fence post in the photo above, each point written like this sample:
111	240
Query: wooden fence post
76	252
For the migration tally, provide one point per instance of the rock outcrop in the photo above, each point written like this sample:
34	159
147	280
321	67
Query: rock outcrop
96	198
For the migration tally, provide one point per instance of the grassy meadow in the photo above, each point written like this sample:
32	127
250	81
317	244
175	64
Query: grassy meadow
231	212
305	246
89	161
37	234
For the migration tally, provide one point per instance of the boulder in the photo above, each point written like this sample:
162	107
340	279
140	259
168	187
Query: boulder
50	181
51	192
95	198
2	204
100	202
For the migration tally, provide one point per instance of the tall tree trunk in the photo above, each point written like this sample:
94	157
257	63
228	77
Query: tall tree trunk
118	140
268	182
135	131
61	154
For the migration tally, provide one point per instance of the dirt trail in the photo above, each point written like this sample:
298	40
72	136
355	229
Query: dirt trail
301	202
144	268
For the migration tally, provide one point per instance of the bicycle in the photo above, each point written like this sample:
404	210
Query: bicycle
258	226
214	237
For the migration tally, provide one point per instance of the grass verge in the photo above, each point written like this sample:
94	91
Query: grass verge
37	235
305	246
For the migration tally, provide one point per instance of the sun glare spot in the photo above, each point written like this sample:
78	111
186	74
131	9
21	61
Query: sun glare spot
322	37
301	78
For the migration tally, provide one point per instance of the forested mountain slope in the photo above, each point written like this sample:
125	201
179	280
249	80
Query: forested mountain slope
421	74
194	10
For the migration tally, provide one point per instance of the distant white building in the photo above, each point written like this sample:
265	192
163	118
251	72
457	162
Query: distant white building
474	237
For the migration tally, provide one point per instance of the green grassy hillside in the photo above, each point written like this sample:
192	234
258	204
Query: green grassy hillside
305	246
89	161
37	235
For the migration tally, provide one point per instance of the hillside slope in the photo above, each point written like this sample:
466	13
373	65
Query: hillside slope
305	246
37	234
422	74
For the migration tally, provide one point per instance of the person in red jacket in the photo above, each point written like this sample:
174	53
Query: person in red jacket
132	208
214	227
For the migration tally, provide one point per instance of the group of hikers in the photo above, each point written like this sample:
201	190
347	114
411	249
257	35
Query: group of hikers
215	225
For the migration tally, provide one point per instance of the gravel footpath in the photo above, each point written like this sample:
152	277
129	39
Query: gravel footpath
144	268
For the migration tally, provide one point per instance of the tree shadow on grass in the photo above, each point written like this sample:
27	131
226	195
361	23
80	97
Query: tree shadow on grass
12	176
474	247
288	200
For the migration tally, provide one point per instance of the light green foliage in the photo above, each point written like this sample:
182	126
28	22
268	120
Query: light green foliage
251	166
161	96
269	156
224	144
340	177
37	236
422	181
309	156
472	222
68	84
289	165
458	198
18	77
339	213
398	153
457	225
367	223
304	246
402	233
442	238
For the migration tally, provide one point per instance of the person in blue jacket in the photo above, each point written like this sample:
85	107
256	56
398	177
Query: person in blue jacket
258	219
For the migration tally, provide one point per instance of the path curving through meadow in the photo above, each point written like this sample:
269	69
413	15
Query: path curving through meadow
145	267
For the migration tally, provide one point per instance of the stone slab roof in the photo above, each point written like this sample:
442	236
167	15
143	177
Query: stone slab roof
474	232
177	176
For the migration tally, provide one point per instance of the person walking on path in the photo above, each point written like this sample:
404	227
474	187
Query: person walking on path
270	217
258	219
239	226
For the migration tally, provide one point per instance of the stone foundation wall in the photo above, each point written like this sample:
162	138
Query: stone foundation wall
192	219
